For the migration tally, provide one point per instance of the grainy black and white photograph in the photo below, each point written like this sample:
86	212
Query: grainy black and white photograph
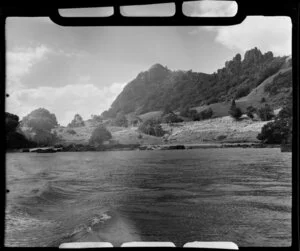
176	134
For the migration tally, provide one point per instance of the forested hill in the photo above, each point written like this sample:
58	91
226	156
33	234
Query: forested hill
160	87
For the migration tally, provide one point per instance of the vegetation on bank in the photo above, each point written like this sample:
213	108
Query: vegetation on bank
152	127
14	138
37	126
99	136
280	130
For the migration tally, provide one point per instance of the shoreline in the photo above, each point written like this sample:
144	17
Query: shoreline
136	147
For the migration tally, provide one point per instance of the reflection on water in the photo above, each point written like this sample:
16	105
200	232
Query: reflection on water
239	195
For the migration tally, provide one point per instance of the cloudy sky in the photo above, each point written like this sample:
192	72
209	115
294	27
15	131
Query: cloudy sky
70	70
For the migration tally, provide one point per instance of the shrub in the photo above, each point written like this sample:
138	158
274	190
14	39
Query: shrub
276	132
263	100
11	122
206	114
212	100
189	113
97	118
171	118
242	92
40	119
184	111
250	112
99	135
152	127
120	120
286	111
194	115
265	113
71	131
234	111
77	121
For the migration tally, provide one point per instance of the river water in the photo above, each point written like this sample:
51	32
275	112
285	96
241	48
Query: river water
235	194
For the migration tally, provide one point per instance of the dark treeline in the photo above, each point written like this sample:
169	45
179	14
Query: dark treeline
14	138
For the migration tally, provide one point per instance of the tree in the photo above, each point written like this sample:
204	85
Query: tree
14	139
77	121
99	135
171	118
276	132
265	113
280	130
206	114
120	120
152	127
97	118
11	122
242	92
250	112
263	100
234	111
37	126
40	119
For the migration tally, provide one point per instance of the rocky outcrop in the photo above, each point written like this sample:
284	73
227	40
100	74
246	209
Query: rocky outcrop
159	87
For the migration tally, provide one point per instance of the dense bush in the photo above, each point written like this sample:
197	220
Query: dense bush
14	139
242	92
171	118
212	100
40	119
120	120
196	116
71	131
265	113
99	135
250	112
280	130
276	132
234	111
152	127
97	118
11	122
206	114
37	126
77	121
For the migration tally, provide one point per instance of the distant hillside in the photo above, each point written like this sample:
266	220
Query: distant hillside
159	87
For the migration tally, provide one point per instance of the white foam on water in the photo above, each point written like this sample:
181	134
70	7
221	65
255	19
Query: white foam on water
100	219
105	217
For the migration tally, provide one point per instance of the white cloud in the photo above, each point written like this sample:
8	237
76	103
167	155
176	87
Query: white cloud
66	101
267	33
19	63
21	60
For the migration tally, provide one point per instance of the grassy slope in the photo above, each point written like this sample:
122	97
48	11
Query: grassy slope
253	98
224	129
